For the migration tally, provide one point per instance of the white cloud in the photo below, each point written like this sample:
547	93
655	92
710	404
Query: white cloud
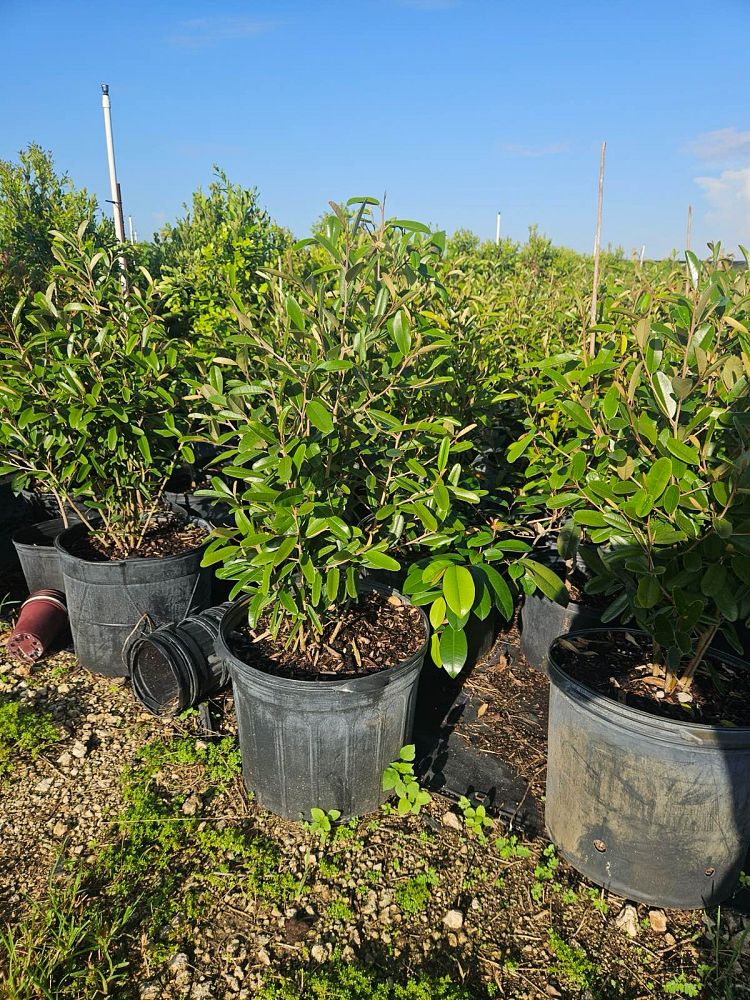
725	145
517	149
203	32
728	198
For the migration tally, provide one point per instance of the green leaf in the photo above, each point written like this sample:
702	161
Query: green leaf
519	447
664	395
610	403
453	650
658	477
319	416
546	580
685	452
714	580
295	312
437	612
375	559
648	593
458	589
333	577
501	589
399	326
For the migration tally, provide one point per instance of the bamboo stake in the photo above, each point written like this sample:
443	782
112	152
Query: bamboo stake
597	251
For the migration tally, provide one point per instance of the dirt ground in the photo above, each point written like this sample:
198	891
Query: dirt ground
134	840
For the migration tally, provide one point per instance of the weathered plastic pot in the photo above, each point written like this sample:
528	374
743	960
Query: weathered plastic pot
40	560
176	667
542	621
202	508
109	603
322	744
42	618
652	809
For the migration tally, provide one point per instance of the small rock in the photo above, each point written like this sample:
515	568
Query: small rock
670	939
454	920
658	921
79	750
318	953
43	786
263	957
627	921
450	820
59	829
191	805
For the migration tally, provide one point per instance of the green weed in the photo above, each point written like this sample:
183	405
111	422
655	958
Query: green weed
23	730
573	964
413	896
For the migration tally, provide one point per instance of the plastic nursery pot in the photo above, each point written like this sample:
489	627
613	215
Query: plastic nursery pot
110	602
176	666
320	743
43	616
40	560
652	809
542	621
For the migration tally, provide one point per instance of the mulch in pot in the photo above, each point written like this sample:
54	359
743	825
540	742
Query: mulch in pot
169	536
619	665
374	634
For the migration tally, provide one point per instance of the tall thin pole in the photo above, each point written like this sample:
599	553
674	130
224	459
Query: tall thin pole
130	226
114	186
643	253
597	251
689	238
497	230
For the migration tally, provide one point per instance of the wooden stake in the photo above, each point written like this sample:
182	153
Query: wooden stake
597	252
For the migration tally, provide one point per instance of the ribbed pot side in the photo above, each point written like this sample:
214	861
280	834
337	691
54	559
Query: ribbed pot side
652	809
108	602
320	744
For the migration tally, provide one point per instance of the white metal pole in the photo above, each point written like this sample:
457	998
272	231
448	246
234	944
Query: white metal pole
497	230
643	252
130	225
116	201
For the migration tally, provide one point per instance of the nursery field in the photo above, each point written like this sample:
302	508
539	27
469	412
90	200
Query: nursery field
374	610
136	865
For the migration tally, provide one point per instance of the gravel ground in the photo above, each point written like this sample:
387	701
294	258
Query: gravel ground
226	898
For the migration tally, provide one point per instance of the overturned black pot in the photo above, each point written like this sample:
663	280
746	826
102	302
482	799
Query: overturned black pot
176	667
323	744
652	809
110	602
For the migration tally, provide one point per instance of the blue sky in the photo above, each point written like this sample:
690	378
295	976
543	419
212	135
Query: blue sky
455	108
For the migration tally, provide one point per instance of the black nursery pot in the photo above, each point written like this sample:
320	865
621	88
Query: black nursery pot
176	666
110	602
542	621
652	809
322	744
40	560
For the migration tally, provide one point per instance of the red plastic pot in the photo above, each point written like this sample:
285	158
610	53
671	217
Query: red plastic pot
43	616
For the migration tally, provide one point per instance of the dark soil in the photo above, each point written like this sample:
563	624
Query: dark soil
376	633
509	711
619	665
169	537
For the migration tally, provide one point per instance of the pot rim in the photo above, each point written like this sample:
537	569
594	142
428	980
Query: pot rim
378	678
653	726
82	529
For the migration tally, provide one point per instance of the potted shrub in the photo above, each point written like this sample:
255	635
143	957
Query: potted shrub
648	788
92	393
339	456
